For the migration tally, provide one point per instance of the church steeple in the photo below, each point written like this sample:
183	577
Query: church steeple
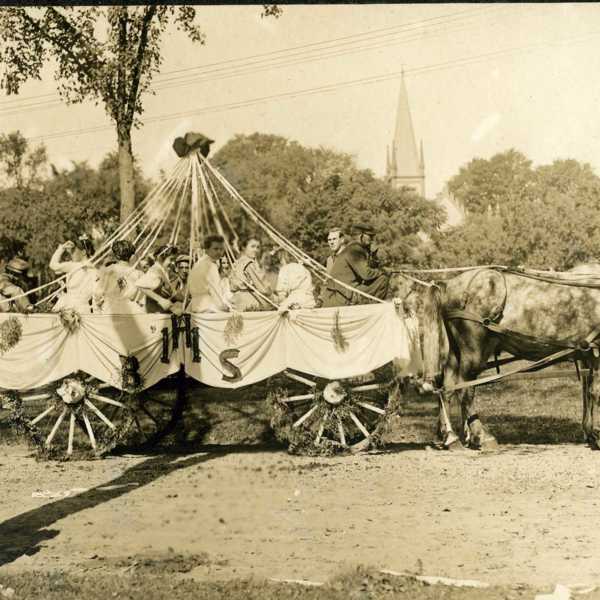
406	167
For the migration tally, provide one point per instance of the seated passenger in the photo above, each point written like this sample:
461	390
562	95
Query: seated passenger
12	287
204	281
81	275
336	242
352	268
182	272
156	284
248	280
115	292
145	263
225	274
294	283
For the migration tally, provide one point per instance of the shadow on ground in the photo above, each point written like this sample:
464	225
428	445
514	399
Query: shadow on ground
543	429
23	534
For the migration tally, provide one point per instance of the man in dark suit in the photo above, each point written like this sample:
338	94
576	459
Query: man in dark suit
352	267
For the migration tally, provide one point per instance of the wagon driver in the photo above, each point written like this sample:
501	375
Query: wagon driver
352	267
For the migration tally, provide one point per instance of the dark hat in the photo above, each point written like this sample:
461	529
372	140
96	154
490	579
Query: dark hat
364	228
192	141
17	266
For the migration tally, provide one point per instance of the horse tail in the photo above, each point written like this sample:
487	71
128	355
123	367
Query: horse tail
436	345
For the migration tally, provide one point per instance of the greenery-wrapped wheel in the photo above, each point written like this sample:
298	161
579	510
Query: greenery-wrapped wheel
81	417
321	416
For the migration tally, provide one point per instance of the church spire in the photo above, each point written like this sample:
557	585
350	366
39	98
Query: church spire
408	168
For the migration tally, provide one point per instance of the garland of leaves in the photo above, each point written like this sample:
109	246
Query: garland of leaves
337	335
233	328
70	319
11	332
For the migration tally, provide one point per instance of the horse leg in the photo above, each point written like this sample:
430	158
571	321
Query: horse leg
593	398
588	413
450	440
476	434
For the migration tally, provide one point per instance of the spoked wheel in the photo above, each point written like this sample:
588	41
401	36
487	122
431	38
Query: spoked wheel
155	412
74	417
318	416
80	417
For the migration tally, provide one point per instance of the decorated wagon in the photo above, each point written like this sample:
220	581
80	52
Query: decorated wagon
85	382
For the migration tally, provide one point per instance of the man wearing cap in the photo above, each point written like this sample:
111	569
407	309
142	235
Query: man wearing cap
182	271
352	268
13	285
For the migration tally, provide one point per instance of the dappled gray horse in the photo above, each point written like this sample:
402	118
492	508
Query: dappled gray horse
531	315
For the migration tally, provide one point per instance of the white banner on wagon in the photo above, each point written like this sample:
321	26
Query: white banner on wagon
332	343
47	351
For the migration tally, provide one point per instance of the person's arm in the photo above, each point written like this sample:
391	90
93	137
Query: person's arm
164	303
147	284
55	262
282	289
213	281
256	278
359	263
99	288
12	291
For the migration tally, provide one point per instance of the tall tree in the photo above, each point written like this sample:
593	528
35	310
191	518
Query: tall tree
487	184
35	218
115	68
305	191
21	165
551	221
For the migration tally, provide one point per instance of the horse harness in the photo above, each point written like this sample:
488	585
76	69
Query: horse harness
558	349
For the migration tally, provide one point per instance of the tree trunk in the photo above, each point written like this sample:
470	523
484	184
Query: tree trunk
126	181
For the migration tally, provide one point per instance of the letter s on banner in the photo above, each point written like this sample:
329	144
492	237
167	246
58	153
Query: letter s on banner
229	366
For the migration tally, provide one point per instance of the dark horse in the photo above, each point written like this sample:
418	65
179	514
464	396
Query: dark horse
531	315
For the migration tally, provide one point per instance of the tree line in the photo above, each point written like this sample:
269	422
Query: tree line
515	214
545	217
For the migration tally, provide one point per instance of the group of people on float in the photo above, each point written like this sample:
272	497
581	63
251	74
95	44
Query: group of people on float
165	281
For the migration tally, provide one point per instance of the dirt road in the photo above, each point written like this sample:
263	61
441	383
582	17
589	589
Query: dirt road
523	514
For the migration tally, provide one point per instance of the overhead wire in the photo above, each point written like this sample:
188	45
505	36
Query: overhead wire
186	82
315	47
460	62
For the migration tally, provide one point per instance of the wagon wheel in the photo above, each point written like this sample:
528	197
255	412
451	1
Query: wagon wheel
80	417
155	412
326	416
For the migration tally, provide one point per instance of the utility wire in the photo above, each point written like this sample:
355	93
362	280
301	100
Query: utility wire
161	80
460	62
251	71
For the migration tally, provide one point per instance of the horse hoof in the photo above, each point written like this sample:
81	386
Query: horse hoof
452	442
489	444
455	446
593	439
485	444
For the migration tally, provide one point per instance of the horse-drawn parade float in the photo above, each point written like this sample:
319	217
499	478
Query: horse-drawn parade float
80	385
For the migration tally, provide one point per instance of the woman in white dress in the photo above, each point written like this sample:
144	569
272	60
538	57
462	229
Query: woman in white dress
80	278
115	292
248	280
294	283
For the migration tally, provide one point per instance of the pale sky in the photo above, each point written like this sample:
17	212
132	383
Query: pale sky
478	98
